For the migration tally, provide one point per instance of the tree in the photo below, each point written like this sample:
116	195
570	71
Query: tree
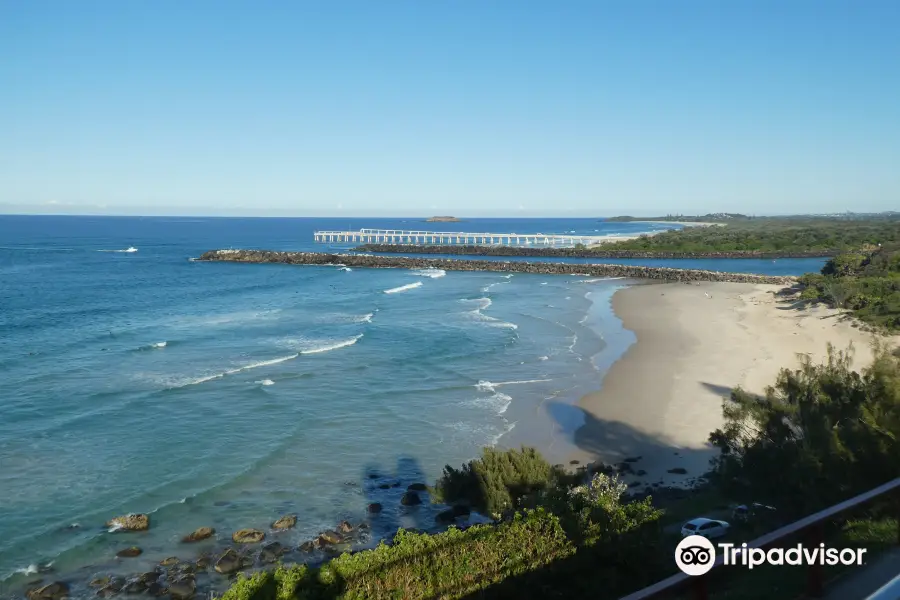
821	434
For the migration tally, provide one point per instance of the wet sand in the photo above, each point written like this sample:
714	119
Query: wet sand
662	399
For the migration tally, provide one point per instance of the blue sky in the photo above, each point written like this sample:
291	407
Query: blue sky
484	108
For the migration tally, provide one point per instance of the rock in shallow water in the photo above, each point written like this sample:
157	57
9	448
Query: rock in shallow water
199	534
271	552
285	522
375	507
168	562
248	536
345	527
329	537
182	589
133	522
228	563
129	552
410	499
53	591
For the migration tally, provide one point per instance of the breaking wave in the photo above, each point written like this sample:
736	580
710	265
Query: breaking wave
268	363
429	272
478	315
403	288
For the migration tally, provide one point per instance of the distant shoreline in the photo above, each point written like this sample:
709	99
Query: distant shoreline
593	252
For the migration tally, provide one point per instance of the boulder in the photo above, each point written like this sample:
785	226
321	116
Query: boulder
182	589
410	499
228	563
248	536
445	517
107	592
133	522
202	562
157	589
375	507
134	587
461	510
285	522
345	527
271	552
329	537
417	487
53	591
99	582
307	546
199	534
129	552
150	576
168	562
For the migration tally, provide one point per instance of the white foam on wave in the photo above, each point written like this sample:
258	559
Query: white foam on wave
267	363
333	346
477	314
490	386
129	250
348	269
543	358
403	288
498	403
265	382
595	280
29	570
159	345
429	272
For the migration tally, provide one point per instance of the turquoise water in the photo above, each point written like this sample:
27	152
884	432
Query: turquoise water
227	395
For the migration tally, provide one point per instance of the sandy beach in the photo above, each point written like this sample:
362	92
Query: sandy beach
694	343
613	238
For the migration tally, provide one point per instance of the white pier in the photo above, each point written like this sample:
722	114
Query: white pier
418	238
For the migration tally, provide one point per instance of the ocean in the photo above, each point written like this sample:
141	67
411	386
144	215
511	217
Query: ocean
227	395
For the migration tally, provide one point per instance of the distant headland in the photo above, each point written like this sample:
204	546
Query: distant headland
443	220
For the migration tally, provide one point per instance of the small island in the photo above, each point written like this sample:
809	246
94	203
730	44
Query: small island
443	220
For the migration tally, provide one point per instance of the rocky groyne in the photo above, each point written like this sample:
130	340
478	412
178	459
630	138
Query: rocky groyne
471	250
448	264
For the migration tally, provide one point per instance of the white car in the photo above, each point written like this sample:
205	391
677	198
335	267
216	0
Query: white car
708	528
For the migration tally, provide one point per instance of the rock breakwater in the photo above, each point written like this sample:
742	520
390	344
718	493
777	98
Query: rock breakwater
448	264
578	252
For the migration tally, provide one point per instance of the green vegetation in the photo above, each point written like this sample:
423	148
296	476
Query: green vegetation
798	235
864	281
498	480
821	434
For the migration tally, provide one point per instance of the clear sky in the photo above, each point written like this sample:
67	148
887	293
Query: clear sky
469	108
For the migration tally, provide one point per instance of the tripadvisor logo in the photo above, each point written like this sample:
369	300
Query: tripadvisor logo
695	555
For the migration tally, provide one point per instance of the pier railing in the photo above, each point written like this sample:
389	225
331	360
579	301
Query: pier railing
813	527
415	237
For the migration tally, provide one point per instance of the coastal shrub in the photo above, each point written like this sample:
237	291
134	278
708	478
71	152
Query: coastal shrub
497	481
821	434
807	235
867	283
260	586
452	564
